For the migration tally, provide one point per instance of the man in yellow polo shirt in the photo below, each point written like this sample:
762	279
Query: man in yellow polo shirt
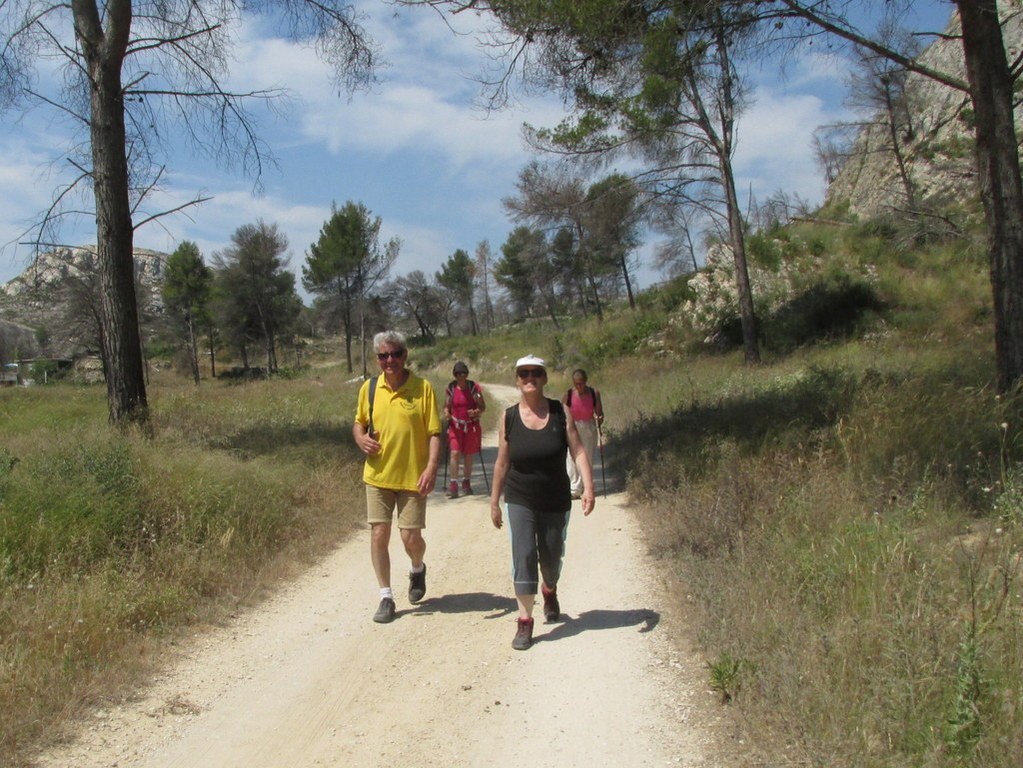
400	436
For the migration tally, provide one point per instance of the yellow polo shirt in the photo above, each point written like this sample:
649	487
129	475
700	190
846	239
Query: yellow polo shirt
404	419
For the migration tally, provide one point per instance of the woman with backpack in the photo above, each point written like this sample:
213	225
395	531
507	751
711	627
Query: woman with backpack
463	405
534	437
584	407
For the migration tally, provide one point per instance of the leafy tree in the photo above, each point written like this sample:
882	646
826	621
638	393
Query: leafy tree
419	302
564	256
346	263
257	290
665	89
135	71
551	198
613	214
187	284
457	276
596	230
513	271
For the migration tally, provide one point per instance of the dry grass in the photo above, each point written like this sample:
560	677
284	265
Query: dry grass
852	582
111	544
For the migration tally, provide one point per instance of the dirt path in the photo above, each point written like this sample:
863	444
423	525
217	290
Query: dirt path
308	679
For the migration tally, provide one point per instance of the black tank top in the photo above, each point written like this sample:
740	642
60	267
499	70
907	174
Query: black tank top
537	477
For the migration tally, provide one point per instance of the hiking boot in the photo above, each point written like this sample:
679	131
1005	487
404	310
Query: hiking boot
417	585
453	490
523	635
385	613
551	607
466	488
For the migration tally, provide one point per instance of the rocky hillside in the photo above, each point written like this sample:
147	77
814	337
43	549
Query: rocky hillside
938	151
53	269
50	298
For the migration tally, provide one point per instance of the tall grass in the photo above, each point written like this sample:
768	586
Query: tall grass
109	541
844	528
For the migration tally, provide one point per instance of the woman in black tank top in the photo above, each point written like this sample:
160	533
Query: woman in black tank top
534	437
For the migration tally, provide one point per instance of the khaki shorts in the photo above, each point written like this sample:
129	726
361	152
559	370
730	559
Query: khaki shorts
381	503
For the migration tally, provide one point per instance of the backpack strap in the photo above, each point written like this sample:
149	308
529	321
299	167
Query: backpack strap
558	408
372	397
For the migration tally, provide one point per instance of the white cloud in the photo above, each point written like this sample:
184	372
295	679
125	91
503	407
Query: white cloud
775	148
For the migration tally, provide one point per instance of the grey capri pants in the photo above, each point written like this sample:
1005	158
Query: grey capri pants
538	544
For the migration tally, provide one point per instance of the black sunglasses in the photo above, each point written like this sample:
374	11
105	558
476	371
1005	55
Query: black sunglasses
525	373
393	355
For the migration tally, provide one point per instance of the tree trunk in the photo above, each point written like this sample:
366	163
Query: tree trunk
998	171
346	318
724	146
122	344
271	355
893	135
193	348
474	324
750	342
628	282
213	356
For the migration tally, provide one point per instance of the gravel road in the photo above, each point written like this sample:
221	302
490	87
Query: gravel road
307	679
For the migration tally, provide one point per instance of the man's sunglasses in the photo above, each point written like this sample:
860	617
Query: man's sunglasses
525	373
393	355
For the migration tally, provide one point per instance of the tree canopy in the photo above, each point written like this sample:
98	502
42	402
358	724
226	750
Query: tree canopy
346	264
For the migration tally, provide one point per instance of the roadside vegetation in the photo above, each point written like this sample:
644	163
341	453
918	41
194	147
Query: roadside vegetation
842	525
112	544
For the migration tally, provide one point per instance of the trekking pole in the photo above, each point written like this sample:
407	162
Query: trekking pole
483	466
600	444
447	456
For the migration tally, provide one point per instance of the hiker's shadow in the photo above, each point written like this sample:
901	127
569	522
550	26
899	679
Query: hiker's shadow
587	621
494	606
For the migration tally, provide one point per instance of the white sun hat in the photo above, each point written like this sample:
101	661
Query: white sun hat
533	360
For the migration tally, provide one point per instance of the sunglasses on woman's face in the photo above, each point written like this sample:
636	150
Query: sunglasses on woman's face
381	356
525	373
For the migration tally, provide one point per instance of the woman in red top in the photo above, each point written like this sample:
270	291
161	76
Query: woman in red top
583	404
462	408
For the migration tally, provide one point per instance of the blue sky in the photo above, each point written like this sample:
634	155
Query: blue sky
414	149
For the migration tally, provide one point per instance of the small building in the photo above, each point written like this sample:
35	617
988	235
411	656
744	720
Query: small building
10	375
34	370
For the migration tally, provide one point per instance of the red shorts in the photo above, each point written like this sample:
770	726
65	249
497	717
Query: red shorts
465	441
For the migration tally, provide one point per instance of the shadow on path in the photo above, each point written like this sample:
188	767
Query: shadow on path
587	621
495	606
